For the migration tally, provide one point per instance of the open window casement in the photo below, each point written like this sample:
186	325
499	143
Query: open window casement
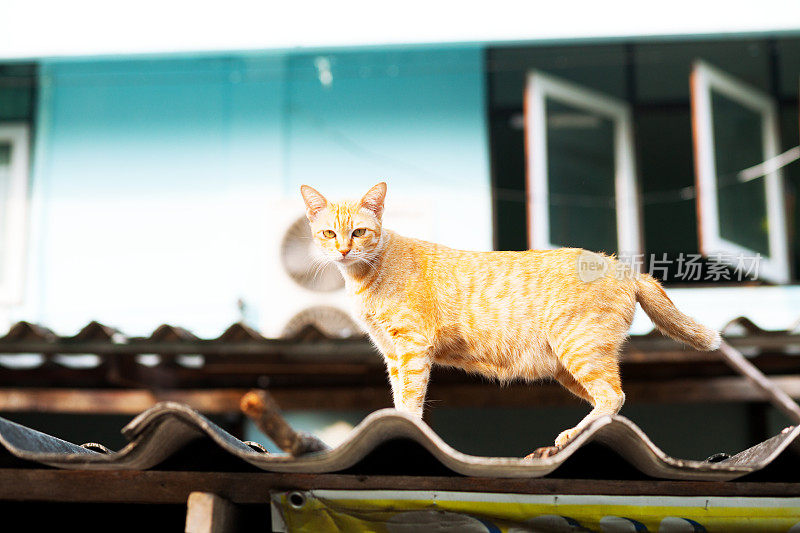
13	200
740	217
581	184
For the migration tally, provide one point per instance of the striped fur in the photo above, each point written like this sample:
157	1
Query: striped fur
505	315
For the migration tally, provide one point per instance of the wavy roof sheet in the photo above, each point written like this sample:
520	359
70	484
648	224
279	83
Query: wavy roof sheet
168	429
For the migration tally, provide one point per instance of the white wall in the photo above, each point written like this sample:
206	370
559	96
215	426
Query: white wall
43	28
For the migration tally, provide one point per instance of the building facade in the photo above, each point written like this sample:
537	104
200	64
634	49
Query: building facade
148	189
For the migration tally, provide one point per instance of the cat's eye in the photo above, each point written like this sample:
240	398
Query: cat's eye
359	232
329	233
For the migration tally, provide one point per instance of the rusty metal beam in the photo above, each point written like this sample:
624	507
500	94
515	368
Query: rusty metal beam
777	396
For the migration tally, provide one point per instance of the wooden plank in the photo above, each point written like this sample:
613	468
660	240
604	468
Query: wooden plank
208	513
253	488
210	401
115	401
221	401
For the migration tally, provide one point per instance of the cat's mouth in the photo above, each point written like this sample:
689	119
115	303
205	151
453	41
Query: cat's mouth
345	260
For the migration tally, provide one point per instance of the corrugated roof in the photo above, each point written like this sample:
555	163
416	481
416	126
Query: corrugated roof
309	344
173	358
169	429
239	331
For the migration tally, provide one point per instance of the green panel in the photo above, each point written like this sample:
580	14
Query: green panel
666	173
510	213
581	168
15	104
738	145
17	89
653	75
662	69
598	67
788	65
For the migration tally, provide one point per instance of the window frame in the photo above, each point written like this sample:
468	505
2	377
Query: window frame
11	282
705	78
539	88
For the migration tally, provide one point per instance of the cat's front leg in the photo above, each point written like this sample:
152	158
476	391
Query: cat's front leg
393	370
413	373
386	346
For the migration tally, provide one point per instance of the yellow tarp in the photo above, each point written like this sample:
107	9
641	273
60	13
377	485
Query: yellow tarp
407	511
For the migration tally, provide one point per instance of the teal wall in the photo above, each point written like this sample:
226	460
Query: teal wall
153	178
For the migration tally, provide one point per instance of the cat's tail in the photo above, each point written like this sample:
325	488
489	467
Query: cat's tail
669	320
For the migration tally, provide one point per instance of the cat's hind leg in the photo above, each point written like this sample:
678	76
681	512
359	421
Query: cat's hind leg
571	384
595	368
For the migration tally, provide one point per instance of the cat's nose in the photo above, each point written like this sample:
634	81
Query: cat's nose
344	252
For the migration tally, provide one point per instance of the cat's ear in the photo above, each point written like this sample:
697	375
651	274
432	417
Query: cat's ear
374	198
315	202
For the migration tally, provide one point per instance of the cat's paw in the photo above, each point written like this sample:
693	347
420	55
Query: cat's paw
542	453
565	436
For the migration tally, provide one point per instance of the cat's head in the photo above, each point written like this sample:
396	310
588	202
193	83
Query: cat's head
345	232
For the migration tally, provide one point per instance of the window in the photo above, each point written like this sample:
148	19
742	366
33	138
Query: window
13	199
740	216
581	178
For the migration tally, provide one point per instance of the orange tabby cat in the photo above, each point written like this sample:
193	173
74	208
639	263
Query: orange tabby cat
506	315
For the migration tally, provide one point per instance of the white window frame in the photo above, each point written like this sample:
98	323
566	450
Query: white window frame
11	282
539	88
704	79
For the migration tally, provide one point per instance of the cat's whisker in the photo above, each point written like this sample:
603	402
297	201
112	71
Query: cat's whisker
317	265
